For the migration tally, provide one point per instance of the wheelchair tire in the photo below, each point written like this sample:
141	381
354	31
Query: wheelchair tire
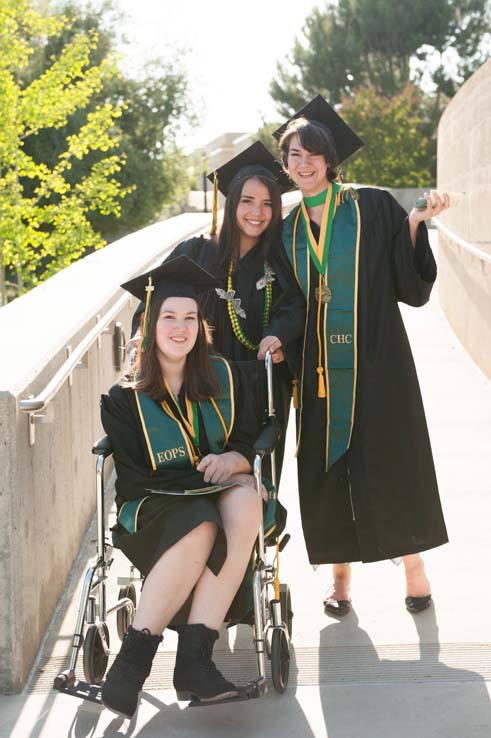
286	607
96	653
280	660
123	618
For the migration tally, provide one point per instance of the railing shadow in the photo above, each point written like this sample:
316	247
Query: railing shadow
403	697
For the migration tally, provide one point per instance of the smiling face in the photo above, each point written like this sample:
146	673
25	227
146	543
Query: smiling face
308	171
177	328
254	211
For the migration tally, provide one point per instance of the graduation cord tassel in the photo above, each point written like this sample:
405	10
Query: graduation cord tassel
214	207
295	393
146	316
321	385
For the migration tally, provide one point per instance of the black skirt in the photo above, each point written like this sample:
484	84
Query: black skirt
162	521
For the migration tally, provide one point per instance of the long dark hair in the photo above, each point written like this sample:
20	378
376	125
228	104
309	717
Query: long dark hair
229	238
314	137
227	246
200	379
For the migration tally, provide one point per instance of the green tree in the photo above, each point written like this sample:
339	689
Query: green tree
156	105
383	43
44	218
397	148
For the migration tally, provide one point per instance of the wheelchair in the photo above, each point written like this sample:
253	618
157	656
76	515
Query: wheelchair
272	612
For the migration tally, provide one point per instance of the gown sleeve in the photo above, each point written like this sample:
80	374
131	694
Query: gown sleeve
249	406
414	269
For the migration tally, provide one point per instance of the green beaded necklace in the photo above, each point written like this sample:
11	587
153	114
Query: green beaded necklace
234	320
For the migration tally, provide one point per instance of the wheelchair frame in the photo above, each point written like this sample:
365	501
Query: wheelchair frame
272	617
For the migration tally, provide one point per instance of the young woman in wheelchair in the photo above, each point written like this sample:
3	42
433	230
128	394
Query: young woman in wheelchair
182	428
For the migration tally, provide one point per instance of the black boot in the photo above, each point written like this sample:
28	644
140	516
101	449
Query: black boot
131	667
195	674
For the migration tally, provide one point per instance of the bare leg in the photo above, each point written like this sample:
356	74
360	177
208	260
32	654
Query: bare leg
417	583
341	578
240	508
173	577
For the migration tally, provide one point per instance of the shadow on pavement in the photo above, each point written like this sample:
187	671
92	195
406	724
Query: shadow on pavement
436	700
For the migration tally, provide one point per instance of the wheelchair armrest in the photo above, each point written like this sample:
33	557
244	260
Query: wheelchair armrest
103	446
268	438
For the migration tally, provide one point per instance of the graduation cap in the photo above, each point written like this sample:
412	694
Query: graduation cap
318	110
256	159
179	277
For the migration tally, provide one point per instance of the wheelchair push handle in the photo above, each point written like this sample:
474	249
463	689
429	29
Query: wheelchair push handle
268	363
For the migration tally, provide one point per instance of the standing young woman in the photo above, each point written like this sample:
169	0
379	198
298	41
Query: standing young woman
258	304
182	428
367	483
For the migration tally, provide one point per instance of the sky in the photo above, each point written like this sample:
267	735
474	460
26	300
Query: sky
231	49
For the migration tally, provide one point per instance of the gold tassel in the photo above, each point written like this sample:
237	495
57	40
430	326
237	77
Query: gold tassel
146	315
321	387
214	207
295	393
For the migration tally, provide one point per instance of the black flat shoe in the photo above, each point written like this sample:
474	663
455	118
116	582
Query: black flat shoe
417	604
336	607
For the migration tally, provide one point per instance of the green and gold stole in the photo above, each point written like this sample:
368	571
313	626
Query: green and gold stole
334	304
169	439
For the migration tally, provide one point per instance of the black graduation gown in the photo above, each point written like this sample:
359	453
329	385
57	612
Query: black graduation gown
164	519
380	500
286	322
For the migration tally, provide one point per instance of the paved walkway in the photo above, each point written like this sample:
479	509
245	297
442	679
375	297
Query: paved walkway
379	673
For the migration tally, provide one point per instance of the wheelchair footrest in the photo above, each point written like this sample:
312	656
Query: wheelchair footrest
250	691
84	691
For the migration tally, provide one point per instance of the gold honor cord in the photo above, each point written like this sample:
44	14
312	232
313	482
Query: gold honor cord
190	420
327	395
320	250
189	445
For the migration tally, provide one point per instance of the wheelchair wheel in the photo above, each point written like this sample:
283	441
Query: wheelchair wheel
123	618
286	607
280	660
96	653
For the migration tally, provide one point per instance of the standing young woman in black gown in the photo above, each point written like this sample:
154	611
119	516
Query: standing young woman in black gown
367	483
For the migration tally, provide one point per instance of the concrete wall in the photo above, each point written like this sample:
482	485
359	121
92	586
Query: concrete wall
464	164
47	491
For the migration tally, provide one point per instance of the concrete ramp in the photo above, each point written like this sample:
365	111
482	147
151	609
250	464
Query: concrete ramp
379	672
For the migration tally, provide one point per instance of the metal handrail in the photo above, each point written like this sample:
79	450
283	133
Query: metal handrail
44	398
483	255
34	404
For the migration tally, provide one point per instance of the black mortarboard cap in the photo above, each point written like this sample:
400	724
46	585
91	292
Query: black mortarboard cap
178	277
345	139
256	155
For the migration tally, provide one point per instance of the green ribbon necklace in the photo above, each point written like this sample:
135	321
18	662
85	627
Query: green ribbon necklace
312	202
